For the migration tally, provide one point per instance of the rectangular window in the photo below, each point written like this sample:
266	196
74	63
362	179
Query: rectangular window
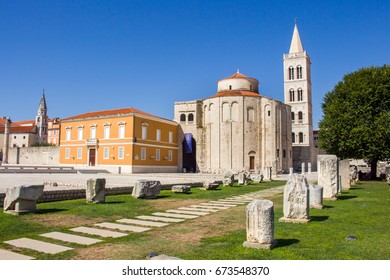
170	137
144	132
106	153
67	153
79	153
93	132
80	134
158	135
121	132
107	132
143	153
284	153
170	155
157	154
68	131
121	153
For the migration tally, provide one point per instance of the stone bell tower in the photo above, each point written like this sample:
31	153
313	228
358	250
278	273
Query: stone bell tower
41	122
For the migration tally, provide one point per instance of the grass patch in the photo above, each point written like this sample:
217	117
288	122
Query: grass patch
361	212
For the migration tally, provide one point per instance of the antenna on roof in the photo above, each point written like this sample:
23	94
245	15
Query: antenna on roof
238	70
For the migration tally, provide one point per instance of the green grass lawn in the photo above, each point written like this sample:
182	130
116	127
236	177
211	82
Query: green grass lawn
363	212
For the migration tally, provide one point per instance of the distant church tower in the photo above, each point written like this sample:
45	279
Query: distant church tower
41	121
297	94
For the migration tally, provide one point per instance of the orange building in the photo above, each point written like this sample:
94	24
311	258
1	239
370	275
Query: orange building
125	140
53	131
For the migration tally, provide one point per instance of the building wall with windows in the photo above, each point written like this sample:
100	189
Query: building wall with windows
127	138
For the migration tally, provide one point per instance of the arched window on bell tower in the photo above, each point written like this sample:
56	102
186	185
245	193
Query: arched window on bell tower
300	94
299	72
292	95
291	73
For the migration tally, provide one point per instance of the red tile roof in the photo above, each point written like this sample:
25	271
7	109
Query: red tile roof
236	75
107	113
15	128
236	93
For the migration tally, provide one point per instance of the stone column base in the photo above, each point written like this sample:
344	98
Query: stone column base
266	246
317	206
330	198
288	220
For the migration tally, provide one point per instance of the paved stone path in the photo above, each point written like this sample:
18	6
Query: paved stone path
138	224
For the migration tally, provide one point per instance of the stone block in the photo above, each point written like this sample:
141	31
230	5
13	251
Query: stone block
327	175
210	186
243	178
181	189
387	174
316	196
344	176
22	199
260	224
146	189
96	190
228	179
296	200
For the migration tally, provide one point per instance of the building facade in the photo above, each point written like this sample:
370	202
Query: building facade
235	129
298	94
53	132
122	140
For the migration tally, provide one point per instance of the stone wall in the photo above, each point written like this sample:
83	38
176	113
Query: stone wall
34	155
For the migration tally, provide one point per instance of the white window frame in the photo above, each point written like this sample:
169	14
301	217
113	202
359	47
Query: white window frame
170	137
67	153
107	130
143	153
80	132
106	153
68	134
121	152
158	153
121	131
158	135
170	155
79	153
144	132
92	132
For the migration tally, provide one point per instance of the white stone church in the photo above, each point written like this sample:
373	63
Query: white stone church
240	129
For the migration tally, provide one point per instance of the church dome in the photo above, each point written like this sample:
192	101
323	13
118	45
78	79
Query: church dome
238	82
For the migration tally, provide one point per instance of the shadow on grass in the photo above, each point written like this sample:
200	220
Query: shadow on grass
286	242
357	188
328	206
47	211
346	197
318	218
113	202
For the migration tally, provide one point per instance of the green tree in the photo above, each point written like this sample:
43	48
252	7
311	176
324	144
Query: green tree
356	116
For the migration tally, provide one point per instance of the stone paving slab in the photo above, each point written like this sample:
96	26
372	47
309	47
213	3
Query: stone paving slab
209	207
161	219
198	209
172	215
37	245
8	255
222	201
142	223
122	227
198	213
217	204
99	232
71	238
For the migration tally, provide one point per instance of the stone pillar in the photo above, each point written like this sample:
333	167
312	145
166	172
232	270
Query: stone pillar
387	174
291	171
96	190
260	224
309	168
241	178
303	168
228	179
316	196
7	131
296	200
328	175
345	181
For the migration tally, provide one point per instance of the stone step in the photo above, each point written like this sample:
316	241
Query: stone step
198	209
160	219
217	204
172	215
37	245
8	255
198	213
222	201
142	223
209	207
71	238
122	227
99	232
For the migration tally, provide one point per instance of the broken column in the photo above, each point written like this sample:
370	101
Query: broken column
228	179
22	199
296	200
146	189
96	190
316	196
344	176
327	175
260	224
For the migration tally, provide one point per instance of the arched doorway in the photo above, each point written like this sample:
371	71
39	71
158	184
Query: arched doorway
189	153
252	157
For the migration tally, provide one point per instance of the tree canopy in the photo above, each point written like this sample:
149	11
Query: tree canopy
356	116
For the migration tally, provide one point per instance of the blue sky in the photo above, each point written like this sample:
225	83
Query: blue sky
147	54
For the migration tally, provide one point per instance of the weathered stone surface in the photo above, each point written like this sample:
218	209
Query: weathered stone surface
243	178
146	189
210	186
257	178
96	190
181	189
228	179
296	199
388	174
22	199
316	196
327	175
354	175
344	176
260	224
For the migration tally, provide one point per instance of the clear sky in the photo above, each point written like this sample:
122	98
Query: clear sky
147	54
